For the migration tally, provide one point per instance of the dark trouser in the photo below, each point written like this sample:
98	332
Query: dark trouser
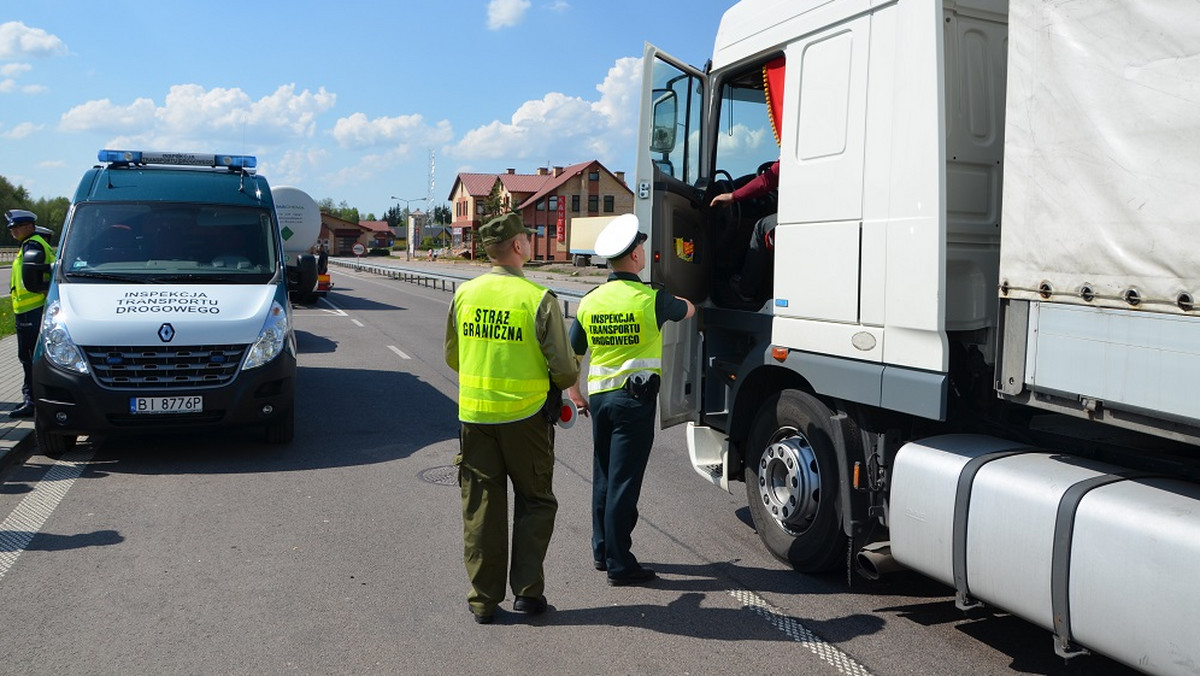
623	433
489	456
28	325
758	256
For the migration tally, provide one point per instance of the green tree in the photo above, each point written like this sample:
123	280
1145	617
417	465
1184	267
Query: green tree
493	204
51	212
342	210
441	214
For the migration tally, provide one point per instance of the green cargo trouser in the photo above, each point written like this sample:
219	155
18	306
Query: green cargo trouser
489	456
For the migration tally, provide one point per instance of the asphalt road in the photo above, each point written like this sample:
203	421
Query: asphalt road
342	552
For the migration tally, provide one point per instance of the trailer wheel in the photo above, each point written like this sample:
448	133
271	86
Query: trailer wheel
792	482
52	445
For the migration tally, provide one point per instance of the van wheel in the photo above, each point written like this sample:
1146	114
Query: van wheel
792	482
283	429
50	444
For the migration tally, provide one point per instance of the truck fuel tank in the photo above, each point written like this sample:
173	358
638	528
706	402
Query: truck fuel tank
1103	556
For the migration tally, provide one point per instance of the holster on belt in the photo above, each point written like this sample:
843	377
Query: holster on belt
643	385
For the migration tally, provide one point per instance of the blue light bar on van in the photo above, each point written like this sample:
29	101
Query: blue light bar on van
178	159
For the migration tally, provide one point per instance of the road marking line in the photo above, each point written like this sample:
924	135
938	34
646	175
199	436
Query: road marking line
336	310
395	349
357	323
27	519
799	633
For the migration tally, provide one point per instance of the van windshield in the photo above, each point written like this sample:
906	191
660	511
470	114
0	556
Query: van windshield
153	243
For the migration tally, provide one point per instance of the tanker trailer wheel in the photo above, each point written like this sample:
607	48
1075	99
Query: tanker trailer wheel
792	482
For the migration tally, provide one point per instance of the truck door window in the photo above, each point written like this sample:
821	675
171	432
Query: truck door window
745	139
678	103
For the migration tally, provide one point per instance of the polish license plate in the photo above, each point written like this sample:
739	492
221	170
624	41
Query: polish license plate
189	404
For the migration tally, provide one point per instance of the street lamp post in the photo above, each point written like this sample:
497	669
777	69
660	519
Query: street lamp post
410	246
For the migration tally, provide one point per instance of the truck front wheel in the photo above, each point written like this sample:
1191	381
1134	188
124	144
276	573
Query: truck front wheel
792	482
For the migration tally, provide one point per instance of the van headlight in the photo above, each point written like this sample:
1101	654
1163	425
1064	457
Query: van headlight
271	339
57	343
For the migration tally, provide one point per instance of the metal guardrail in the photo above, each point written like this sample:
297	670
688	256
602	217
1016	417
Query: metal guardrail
8	254
442	282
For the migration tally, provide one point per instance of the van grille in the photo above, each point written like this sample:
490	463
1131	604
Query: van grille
165	367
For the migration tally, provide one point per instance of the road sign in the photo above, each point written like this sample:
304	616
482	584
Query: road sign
358	249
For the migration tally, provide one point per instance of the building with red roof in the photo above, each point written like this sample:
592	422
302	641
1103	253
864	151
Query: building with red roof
547	201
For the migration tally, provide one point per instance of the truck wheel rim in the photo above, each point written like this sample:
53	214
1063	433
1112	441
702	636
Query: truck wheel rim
789	483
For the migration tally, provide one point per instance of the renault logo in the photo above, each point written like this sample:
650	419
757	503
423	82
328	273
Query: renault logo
166	332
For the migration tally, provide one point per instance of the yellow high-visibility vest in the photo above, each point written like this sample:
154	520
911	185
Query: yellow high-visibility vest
502	373
24	300
622	333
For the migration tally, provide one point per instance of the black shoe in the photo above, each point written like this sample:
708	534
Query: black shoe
530	605
639	576
481	619
600	565
23	411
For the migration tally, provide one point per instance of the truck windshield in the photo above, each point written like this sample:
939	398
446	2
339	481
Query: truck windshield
210	244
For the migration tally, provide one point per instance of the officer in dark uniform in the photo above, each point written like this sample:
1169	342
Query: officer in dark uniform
27	303
506	338
620	322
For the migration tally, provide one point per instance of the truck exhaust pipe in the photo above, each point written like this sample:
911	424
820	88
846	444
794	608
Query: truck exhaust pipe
875	560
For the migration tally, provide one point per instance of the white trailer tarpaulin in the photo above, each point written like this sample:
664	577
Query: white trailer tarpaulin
1102	151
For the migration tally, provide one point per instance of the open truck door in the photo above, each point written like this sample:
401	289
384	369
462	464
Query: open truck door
669	204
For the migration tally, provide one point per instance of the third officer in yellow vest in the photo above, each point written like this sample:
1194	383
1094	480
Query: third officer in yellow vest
506	338
27	303
620	321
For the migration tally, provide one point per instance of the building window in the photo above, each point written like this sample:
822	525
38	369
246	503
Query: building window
593	204
575	203
593	176
608	204
554	203
541	205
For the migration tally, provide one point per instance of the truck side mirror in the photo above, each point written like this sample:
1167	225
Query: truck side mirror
666	119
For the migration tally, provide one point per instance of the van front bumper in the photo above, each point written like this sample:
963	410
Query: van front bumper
70	403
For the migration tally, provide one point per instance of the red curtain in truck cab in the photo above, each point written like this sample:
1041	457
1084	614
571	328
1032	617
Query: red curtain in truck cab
773	82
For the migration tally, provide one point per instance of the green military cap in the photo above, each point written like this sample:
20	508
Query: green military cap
502	229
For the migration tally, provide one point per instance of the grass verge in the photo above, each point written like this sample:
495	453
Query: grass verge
7	323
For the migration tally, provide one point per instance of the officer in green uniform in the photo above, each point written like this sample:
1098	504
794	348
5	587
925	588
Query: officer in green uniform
27	303
621	322
506	337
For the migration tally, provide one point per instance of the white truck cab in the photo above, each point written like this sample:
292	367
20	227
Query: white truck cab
168	305
1000	399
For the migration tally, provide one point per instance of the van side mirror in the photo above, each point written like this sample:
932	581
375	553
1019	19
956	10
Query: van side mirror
36	276
666	118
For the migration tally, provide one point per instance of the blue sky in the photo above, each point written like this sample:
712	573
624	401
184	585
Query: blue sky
342	99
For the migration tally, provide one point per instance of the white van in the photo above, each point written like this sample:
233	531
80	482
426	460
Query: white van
168	305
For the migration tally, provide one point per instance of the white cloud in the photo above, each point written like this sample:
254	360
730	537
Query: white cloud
561	127
18	41
558	6
356	131
192	116
23	130
104	116
9	85
14	69
505	13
